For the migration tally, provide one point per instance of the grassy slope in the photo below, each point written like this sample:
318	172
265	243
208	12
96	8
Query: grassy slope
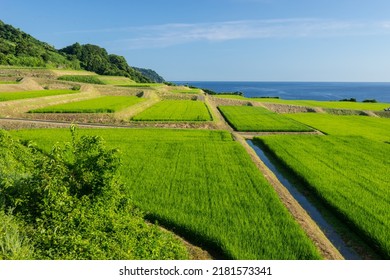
247	118
205	185
8	96
369	127
104	104
175	110
350	173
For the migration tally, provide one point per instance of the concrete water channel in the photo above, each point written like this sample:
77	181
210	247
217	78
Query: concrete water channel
329	230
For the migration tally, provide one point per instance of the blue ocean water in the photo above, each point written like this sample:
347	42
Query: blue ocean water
323	91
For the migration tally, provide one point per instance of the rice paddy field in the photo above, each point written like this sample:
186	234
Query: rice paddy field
8	96
350	173
248	118
322	104
204	185
104	104
369	127
175	110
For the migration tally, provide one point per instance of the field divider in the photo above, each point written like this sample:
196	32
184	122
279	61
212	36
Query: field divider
131	111
312	230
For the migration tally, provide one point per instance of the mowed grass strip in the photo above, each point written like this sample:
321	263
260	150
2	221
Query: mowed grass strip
248	118
203	184
187	91
104	104
368	127
8	96
351	174
175	110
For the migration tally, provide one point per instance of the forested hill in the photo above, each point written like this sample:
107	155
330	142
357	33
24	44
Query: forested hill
18	48
21	49
96	59
151	74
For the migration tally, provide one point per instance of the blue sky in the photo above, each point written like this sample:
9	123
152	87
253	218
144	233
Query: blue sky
225	40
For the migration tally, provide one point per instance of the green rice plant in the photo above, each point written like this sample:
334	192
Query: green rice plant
8	96
350	174
248	118
369	127
90	79
104	104
175	110
72	204
313	103
205	186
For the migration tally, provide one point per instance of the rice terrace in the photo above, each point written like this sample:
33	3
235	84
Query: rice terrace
116	163
188	171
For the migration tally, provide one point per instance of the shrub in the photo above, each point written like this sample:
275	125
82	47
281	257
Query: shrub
75	205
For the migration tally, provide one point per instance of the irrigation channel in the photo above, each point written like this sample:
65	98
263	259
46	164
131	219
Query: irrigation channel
347	251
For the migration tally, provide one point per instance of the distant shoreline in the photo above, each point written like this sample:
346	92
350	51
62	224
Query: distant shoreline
320	91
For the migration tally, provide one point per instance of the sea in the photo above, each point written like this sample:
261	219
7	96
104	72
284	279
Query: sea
322	91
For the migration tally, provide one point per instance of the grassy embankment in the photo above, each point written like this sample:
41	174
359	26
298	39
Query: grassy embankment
248	118
175	110
104	104
187	91
203	185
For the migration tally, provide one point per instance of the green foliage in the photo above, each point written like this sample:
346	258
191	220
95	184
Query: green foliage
104	104
19	48
175	110
90	79
7	96
14	244
348	99
96	59
150	74
74	204
370	101
368	127
205	186
248	118
351	174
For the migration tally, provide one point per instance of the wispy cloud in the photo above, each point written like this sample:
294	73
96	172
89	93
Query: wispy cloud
158	36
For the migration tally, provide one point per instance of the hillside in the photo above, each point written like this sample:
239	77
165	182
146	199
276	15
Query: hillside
151	74
18	48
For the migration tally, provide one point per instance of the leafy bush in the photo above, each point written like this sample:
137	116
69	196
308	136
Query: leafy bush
13	241
74	204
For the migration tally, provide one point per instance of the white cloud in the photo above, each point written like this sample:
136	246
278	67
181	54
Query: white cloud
157	36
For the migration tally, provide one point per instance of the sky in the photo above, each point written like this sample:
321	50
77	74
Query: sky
223	40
